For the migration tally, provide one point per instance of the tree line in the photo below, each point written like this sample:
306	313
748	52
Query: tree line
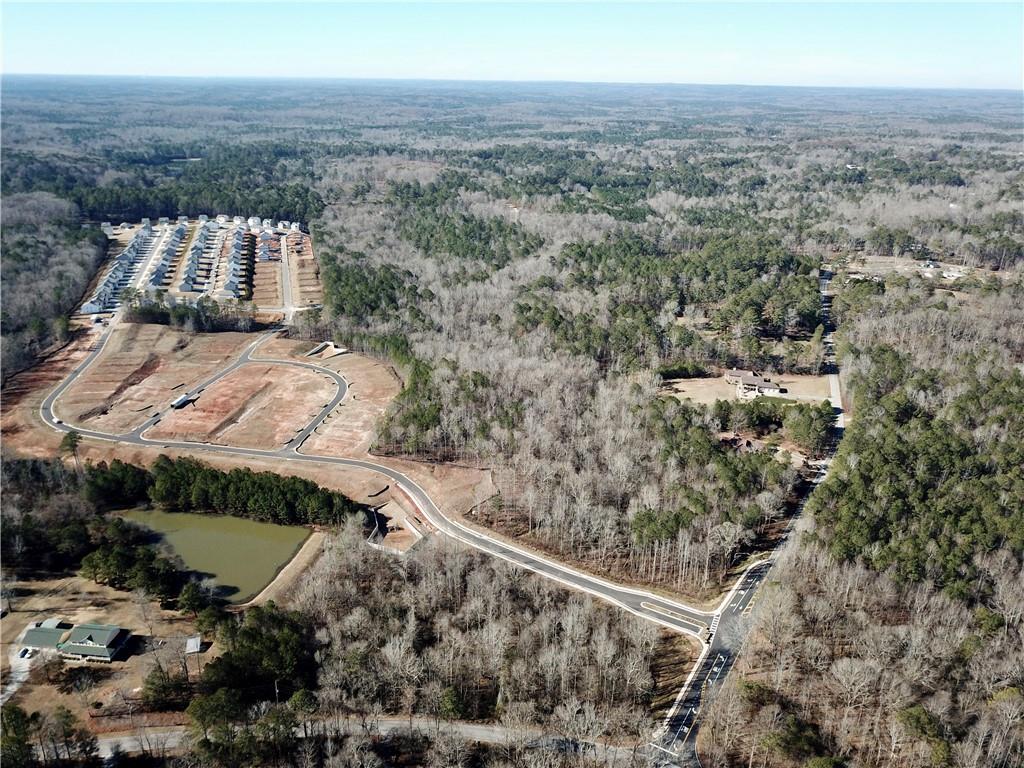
57	520
48	261
890	633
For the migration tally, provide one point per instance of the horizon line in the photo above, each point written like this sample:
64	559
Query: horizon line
482	81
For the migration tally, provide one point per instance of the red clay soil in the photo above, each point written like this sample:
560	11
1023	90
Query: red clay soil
21	427
260	405
142	369
351	429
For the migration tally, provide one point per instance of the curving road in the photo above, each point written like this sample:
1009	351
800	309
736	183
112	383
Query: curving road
721	632
650	606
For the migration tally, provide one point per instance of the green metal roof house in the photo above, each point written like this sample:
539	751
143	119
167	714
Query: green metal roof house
94	642
43	637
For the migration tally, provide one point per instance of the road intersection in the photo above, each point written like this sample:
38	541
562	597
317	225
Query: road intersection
720	632
658	609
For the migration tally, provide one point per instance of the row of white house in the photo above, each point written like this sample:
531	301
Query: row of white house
256	224
107	295
195	253
125	266
230	288
168	254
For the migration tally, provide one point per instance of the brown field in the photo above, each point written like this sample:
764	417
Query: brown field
79	600
803	387
350	429
704	391
871	264
707	390
266	287
21	427
260	405
281	347
305	271
141	369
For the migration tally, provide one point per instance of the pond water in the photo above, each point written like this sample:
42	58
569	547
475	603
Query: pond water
241	556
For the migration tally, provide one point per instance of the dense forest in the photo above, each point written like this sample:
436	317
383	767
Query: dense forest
893	633
172	179
48	260
372	636
538	262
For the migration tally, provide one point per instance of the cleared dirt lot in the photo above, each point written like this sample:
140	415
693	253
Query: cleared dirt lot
139	372
959	276
21	427
260	405
704	391
305	271
266	286
350	429
803	387
281	347
707	390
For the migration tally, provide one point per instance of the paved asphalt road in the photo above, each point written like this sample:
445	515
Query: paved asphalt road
727	626
648	605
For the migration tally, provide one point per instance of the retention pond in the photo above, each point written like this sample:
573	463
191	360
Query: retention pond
241	556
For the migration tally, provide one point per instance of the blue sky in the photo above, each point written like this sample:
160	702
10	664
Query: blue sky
841	44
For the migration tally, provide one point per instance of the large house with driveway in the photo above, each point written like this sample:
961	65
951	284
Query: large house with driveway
749	384
83	642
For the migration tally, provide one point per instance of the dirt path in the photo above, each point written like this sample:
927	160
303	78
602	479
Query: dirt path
18	669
